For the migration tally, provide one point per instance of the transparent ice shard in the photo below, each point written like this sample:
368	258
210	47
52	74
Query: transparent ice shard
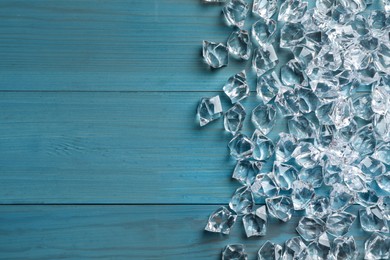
307	100
319	207
234	252
367	199
377	247
221	221
301	127
382	58
268	86
263	32
383	181
342	113
241	147
245	172
362	106
255	224
344	248
292	74
323	111
306	155
269	251
287	102
293	248
234	118
364	140
281	207
316	251
372	220
382	153
285	147
310	228
312	175
264	60
380	97
302	194
264	8
381	125
292	11
264	186
354	6
242	201
325	135
354	178
339	223
235	12
332	173
292	35
237	87
209	109
340	197
263	117
215	54
384	205
239	44
347	132
264	147
284	175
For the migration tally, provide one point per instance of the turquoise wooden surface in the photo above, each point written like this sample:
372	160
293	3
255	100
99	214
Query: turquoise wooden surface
97	103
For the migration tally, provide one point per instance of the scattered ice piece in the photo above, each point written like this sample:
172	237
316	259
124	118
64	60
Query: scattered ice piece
301	127
263	32
342	113
380	93
234	252
362	106
235	12
382	58
284	175
332	173
245	171
264	8
292	74
344	248
307	100
372	220
384	205
367	199
209	109
281	207
377	247
323	113
381	125
264	185
306	155
293	248
221	221
302	194
364	140
340	197
292	35
215	54
383	181
287	102
292	11
269	251
264	60
338	223
239	44
354	6
382	153
319	207
237	87
264	147
255	224
325	135
263	117
242	201
372	167
347	132
354	179
310	228
234	118
285	147
312	175
241	147
268	86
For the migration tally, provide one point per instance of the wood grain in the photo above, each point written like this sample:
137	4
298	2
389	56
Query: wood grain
126	232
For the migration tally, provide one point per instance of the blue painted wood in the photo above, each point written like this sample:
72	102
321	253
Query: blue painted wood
126	232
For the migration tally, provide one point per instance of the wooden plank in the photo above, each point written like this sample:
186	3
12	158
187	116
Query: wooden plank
95	147
126	232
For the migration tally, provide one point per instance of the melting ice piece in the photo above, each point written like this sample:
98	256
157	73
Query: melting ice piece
237	87
245	171
221	221
377	247
234	252
242	201
264	147
264	60
268	86
292	11
209	109
284	175
264	8
372	220
255	224
241	147
344	248
302	194
263	32
234	118
269	251
239	44
338	223
281	207
310	228
215	54
235	12
264	185
263	117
